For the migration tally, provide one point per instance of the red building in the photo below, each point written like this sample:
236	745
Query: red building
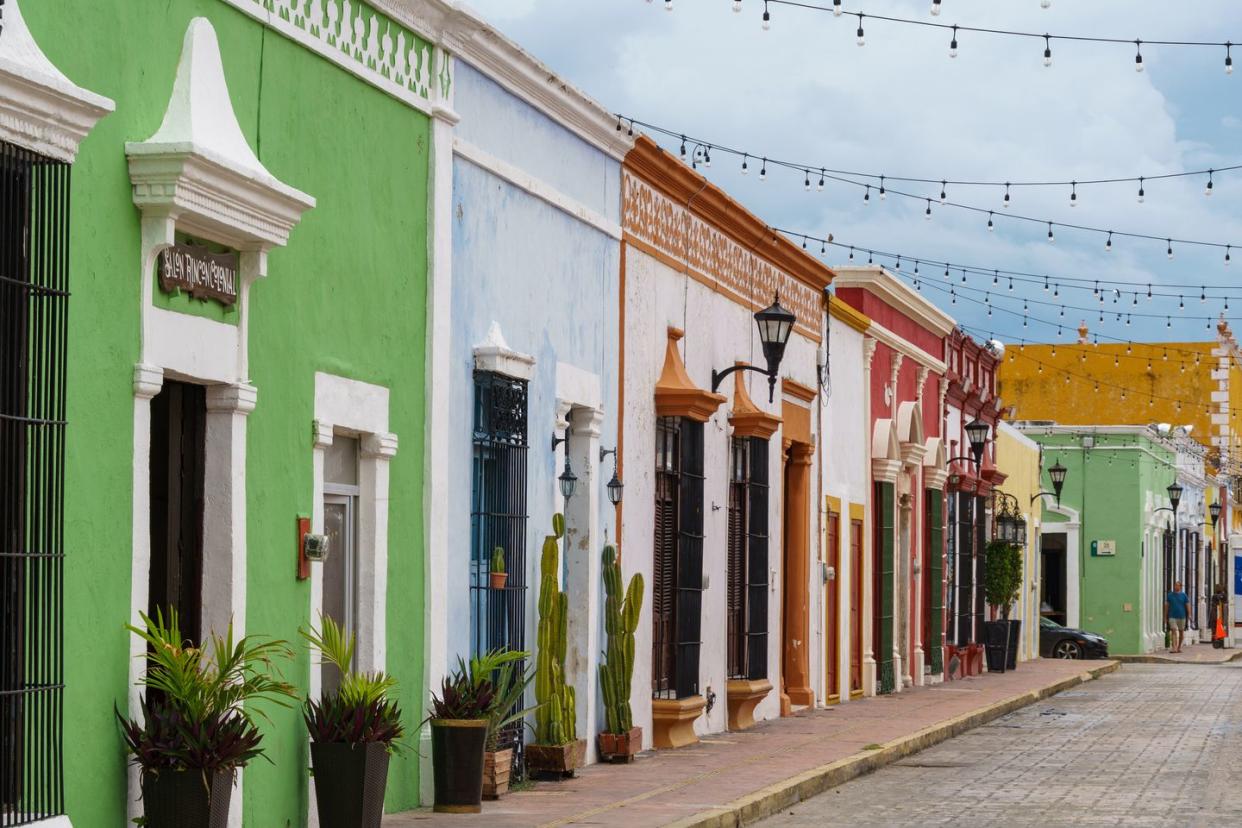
906	378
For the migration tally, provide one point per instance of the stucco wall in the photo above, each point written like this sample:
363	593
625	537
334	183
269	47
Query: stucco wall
719	332
550	282
346	297
1018	457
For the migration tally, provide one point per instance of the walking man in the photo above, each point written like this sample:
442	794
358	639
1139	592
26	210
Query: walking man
1175	612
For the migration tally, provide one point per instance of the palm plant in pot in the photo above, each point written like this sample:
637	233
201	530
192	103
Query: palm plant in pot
459	723
621	740
505	670
197	726
1002	579
353	732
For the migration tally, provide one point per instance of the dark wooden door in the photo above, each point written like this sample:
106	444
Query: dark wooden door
832	558
856	604
178	426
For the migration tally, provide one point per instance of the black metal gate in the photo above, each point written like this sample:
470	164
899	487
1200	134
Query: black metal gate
34	276
747	592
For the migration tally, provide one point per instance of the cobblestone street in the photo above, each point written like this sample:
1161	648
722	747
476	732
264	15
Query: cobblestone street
1147	745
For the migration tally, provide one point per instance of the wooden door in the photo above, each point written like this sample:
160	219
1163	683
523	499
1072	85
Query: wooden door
856	607
832	649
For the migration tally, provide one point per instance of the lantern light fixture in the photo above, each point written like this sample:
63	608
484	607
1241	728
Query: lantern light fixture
615	486
568	480
775	324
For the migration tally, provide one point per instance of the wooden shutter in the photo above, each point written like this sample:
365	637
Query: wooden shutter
935	569
664	560
689	574
884	655
735	595
757	562
965	565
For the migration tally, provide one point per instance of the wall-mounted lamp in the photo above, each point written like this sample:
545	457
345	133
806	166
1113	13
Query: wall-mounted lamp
568	479
615	486
977	435
1214	511
775	324
1057	475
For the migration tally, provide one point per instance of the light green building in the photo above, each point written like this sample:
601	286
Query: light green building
1103	548
246	241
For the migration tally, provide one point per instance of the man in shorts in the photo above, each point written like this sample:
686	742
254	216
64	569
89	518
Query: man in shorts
1175	612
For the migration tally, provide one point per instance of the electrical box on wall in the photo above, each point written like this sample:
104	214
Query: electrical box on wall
1103	548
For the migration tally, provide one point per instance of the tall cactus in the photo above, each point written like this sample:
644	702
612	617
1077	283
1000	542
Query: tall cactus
556	718
616	674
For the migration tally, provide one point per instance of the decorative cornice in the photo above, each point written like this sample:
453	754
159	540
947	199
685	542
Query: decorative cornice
382	446
904	346
199	172
495	355
747	419
148	380
850	315
795	389
321	434
40	109
885	471
896	294
676	395
240	397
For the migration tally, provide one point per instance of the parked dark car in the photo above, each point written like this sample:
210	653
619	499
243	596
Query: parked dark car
1056	641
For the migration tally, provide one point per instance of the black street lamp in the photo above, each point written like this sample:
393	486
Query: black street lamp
1175	497
977	435
615	486
775	325
1057	475
1214	512
568	480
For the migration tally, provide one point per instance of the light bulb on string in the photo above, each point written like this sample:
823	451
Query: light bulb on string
737	6
1047	51
935	9
943	194
991	227
953	44
1051	238
916	267
820	186
1181	302
1202	294
1073	193
1005	203
1108	244
1141	194
1170	250
1045	284
1228	59
927	212
1043	4
1207	191
668	5
1168	322
806	183
683	148
1149	291
1226	255
763	170
996	277
836	8
767	18
862	40
744	164
1138	56
867	196
1011	284
883	194
707	157
851	254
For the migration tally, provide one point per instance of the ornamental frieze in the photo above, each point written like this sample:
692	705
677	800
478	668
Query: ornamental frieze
713	256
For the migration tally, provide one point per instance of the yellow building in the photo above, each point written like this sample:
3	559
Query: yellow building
1196	384
1018	458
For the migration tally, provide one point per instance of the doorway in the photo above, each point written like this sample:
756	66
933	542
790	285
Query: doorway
178	450
795	666
1052	578
832	559
856	607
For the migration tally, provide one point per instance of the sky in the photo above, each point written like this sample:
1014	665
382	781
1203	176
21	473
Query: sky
900	106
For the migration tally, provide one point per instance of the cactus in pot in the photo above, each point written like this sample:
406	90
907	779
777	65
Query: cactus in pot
556	748
497	574
620	739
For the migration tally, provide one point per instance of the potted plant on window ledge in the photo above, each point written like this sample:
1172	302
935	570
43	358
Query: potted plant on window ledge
353	732
497	573
1002	579
197	725
557	751
620	740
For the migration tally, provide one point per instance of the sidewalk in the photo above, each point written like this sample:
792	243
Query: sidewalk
733	778
1197	653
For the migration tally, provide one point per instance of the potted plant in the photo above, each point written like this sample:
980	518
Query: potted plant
353	731
1002	578
509	683
557	751
620	740
459	722
197	726
497	569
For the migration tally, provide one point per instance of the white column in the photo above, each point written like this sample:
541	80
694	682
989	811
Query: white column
583	547
376	452
868	666
438	371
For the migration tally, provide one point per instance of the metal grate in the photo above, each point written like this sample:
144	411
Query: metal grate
498	518
935	578
34	272
747	593
884	620
967	555
981	562
664	563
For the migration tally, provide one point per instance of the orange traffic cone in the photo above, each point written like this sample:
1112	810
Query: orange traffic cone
1220	630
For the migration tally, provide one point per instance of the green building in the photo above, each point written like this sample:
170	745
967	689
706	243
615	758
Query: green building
1103	546
245	236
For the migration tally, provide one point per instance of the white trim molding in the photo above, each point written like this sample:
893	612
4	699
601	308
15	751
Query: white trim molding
495	356
40	108
896	293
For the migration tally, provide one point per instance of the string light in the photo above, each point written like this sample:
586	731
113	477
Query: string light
862	40
1140	192
1228	59
1108	245
1047	50
953	43
935	9
767	18
1138	56
737	5
1207	191
1073	194
836	8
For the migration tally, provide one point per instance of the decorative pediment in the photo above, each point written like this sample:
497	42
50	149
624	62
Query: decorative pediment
197	173
494	354
935	470
41	109
675	394
885	451
910	433
747	419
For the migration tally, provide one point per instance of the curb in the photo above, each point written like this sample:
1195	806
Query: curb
1157	659
774	798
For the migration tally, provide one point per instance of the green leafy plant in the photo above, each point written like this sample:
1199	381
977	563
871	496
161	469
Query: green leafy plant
509	682
461	696
616	673
201	713
555	720
1002	575
498	561
360	710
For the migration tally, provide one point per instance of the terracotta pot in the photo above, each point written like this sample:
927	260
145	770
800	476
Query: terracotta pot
620	748
556	761
457	764
499	579
350	783
186	799
497	765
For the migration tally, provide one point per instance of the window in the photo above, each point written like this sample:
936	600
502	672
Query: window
498	512
677	571
340	524
966	555
747	598
34	209
950	563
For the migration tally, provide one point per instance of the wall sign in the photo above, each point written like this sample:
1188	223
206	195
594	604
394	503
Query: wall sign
199	272
1104	548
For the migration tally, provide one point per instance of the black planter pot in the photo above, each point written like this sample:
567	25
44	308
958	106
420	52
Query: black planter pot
187	799
996	645
1015	637
457	764
350	783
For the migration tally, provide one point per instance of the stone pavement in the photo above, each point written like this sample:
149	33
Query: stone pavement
1198	653
1148	745
756	772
